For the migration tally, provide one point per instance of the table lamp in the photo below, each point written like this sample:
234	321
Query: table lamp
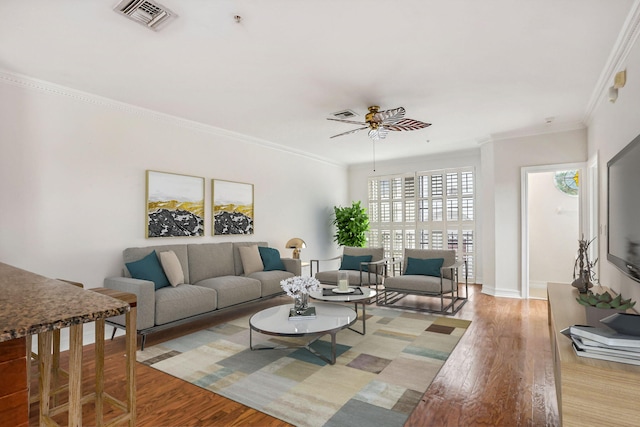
296	244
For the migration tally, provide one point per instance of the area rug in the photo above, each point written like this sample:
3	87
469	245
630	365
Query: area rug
377	380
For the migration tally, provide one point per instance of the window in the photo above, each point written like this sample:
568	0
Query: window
427	210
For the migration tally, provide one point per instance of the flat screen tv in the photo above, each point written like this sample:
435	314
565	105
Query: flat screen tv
623	206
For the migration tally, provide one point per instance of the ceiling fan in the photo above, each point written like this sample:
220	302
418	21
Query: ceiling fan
380	123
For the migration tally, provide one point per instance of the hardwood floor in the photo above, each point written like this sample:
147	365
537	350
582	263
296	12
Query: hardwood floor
500	374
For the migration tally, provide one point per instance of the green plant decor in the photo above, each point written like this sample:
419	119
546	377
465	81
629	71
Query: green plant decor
605	300
351	223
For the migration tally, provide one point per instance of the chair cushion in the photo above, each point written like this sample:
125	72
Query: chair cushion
172	268
424	267
271	259
351	262
418	284
149	268
251	260
331	277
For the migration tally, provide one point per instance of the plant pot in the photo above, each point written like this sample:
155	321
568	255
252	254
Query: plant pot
595	314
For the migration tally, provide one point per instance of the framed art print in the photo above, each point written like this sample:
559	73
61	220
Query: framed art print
175	205
232	207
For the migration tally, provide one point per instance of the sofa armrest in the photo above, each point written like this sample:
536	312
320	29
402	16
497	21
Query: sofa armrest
292	265
145	294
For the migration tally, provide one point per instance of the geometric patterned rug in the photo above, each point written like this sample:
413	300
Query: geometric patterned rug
377	379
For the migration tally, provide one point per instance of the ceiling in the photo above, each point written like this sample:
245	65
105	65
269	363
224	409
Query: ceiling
471	68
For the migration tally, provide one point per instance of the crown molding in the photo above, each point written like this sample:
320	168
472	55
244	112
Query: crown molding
43	86
617	58
533	131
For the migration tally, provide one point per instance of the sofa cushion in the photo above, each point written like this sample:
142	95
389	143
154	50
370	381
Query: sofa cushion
237	260
271	259
183	301
270	281
172	268
251	260
352	262
134	254
424	267
149	268
232	290
208	260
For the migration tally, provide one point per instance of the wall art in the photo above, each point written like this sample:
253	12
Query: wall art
232	207
175	205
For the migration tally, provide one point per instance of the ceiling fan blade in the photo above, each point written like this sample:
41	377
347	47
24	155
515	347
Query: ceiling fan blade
379	133
408	124
348	121
389	116
349	132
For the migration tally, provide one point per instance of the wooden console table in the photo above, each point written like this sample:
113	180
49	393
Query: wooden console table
591	392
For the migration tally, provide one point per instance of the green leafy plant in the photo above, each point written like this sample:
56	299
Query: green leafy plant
605	300
352	222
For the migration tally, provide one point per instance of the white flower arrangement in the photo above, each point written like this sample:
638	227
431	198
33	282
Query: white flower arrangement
298	284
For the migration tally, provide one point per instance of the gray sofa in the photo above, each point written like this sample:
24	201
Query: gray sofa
214	279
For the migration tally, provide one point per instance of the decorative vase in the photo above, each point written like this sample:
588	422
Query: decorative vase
582	283
301	302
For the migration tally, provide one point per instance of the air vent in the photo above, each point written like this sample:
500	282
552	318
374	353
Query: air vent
150	14
345	114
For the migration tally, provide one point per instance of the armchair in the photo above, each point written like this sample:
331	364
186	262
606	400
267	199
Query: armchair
427	272
364	266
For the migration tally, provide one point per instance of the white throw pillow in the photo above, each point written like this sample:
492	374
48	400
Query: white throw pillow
251	260
172	267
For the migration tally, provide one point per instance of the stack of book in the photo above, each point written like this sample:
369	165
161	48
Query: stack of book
618	340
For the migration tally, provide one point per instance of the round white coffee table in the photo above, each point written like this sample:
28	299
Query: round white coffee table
360	295
330	318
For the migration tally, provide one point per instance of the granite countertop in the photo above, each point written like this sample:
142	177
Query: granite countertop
30	304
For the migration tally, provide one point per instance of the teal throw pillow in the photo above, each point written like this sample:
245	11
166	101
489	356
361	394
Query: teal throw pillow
271	259
149	268
352	262
424	267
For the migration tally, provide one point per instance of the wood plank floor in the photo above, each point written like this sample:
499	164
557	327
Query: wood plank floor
500	374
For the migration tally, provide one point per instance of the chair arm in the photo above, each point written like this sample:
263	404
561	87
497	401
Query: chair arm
292	265
146	299
393	263
374	266
317	261
456	264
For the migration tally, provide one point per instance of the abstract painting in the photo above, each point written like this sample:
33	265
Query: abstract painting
232	207
175	205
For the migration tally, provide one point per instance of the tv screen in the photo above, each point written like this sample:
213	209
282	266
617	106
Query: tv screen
623	237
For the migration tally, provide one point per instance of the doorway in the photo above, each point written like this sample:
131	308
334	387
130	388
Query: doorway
552	198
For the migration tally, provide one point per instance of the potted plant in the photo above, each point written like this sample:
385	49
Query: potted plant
599	306
352	223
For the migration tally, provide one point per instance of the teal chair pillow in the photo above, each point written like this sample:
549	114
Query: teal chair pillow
352	262
149	268
424	267
271	259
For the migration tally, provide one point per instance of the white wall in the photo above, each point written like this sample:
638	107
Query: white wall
72	182
553	230
359	175
611	128
502	161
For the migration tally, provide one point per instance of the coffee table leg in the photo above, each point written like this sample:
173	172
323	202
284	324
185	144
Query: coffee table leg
364	318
